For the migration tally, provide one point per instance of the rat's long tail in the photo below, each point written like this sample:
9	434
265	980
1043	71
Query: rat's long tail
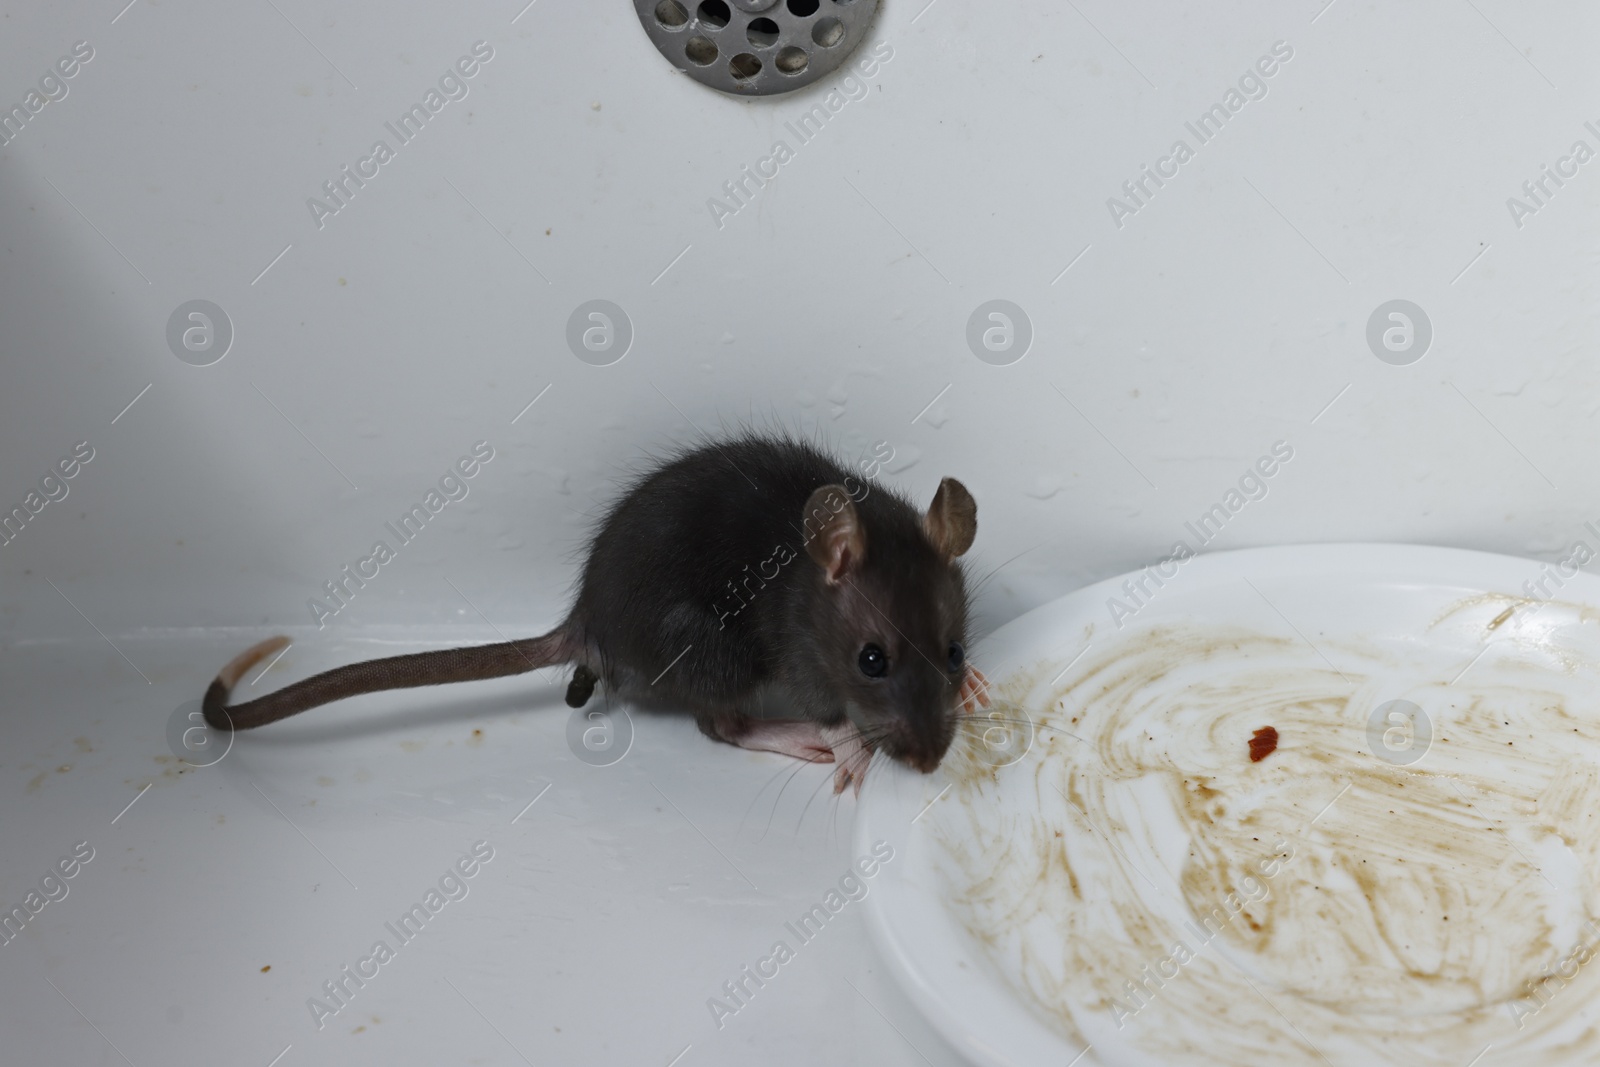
395	672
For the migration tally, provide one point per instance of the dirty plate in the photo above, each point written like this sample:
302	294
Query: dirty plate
1407	871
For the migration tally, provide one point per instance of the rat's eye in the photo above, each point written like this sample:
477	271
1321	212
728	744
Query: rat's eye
873	663
958	656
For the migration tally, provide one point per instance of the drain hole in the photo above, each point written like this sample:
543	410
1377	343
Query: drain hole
762	32
827	32
802	8
714	13
700	50
671	14
792	60
744	66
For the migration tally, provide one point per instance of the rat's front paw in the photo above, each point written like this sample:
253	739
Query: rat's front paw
974	690
851	755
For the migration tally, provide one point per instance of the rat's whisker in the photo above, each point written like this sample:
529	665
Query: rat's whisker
827	780
788	775
978	585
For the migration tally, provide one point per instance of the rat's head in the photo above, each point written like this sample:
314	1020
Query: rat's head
893	613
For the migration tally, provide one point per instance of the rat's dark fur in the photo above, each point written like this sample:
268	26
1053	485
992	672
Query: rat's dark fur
758	561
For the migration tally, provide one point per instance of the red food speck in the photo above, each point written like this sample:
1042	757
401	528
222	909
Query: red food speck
1263	743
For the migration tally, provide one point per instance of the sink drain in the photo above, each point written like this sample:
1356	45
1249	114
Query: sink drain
756	47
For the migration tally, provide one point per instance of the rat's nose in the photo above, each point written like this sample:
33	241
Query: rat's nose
923	754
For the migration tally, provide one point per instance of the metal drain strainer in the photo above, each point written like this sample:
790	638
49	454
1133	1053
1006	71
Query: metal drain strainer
756	47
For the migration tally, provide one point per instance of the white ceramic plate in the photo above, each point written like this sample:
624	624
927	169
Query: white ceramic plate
1387	886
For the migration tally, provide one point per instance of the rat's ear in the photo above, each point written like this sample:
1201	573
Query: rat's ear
834	535
952	519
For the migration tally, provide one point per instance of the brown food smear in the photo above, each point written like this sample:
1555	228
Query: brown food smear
1263	744
1012	879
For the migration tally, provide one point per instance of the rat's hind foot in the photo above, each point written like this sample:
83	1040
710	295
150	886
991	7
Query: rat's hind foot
802	740
974	690
581	688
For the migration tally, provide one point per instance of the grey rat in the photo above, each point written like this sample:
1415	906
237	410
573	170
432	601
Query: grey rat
729	567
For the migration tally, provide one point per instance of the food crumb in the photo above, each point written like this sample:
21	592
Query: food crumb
1263	743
